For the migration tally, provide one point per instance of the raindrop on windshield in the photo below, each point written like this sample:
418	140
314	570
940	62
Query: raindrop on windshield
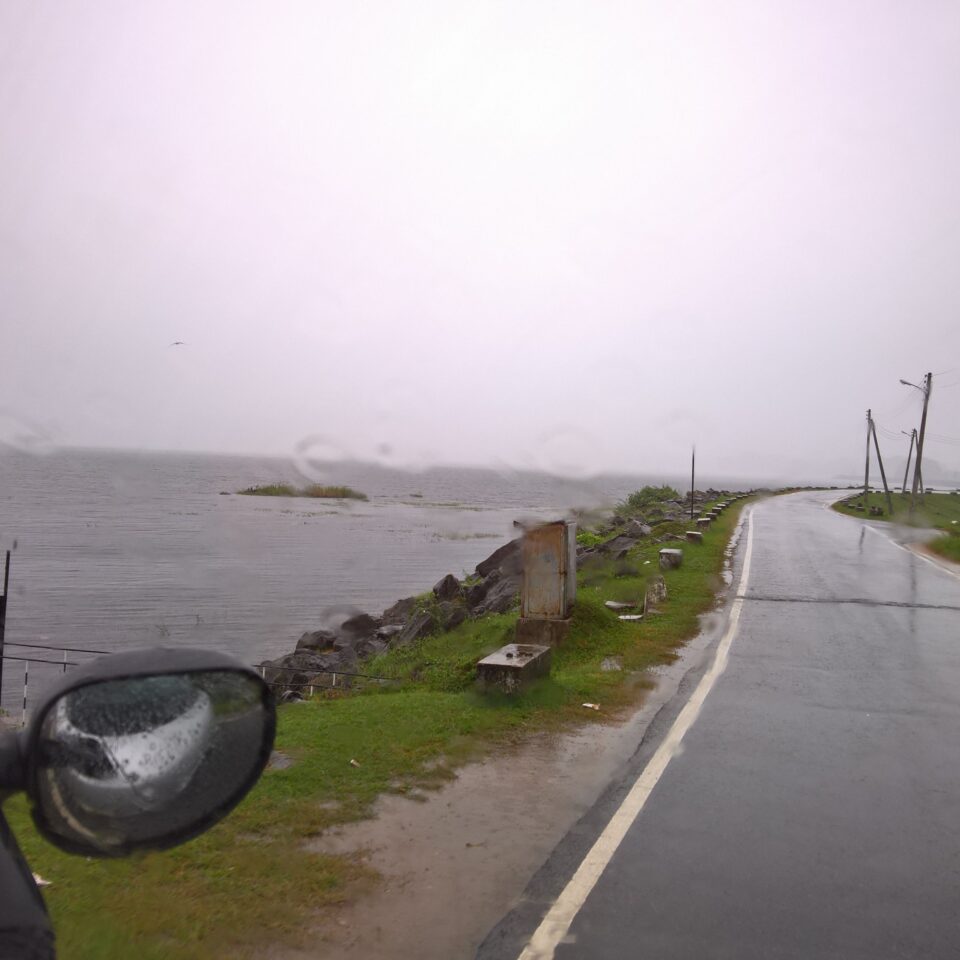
569	453
22	435
314	455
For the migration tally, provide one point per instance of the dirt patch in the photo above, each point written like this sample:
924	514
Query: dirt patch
453	865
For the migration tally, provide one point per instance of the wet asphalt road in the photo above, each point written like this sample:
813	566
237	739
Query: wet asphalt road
814	808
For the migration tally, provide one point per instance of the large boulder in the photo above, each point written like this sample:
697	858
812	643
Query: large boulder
419	625
452	614
371	647
447	589
618	546
501	597
475	593
359	625
506	559
317	640
584	557
295	670
400	612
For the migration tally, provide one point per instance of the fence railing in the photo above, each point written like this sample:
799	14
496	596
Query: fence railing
33	685
27	659
339	679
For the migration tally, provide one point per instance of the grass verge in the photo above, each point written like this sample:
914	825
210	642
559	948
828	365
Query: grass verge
249	882
935	511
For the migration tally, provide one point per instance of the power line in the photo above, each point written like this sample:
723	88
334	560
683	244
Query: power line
911	399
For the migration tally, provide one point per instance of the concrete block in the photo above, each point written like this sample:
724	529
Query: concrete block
695	536
670	558
514	666
549	633
703	523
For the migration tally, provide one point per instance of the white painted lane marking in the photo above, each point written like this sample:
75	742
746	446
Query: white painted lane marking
556	924
907	548
915	550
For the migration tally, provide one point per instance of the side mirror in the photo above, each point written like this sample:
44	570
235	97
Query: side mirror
147	749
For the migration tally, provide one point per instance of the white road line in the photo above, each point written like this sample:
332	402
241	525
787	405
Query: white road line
556	924
908	548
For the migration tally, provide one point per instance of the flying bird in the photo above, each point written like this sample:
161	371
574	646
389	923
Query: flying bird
178	343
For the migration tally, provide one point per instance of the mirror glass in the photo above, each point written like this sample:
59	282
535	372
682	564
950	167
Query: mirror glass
141	761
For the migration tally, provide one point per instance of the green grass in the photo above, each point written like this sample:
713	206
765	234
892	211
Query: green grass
589	538
947	545
934	510
313	490
646	498
250	883
937	511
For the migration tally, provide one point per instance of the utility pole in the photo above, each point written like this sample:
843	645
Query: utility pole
927	389
693	474
866	469
913	436
883	475
3	613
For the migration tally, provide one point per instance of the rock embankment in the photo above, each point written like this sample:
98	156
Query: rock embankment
625	532
351	638
341	647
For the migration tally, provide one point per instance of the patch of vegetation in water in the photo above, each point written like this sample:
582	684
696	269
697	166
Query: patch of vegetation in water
315	490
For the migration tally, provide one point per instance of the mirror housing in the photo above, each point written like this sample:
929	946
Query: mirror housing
145	749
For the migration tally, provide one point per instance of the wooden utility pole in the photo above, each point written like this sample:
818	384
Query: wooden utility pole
693	476
866	469
913	436
883	475
3	613
927	388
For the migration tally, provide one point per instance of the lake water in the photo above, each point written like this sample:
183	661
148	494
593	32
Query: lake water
116	550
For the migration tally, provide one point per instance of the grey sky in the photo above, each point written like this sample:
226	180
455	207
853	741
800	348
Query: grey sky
562	235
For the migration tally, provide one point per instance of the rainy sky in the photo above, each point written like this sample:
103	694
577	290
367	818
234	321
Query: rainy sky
568	235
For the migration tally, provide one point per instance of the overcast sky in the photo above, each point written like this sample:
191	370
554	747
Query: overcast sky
576	236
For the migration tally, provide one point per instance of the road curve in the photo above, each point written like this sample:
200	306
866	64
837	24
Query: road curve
813	807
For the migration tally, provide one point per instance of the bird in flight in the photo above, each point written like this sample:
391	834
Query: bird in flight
178	343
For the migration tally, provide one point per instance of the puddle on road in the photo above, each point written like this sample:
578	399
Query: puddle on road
454	864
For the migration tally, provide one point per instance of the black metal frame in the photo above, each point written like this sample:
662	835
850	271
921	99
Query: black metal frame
158	661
